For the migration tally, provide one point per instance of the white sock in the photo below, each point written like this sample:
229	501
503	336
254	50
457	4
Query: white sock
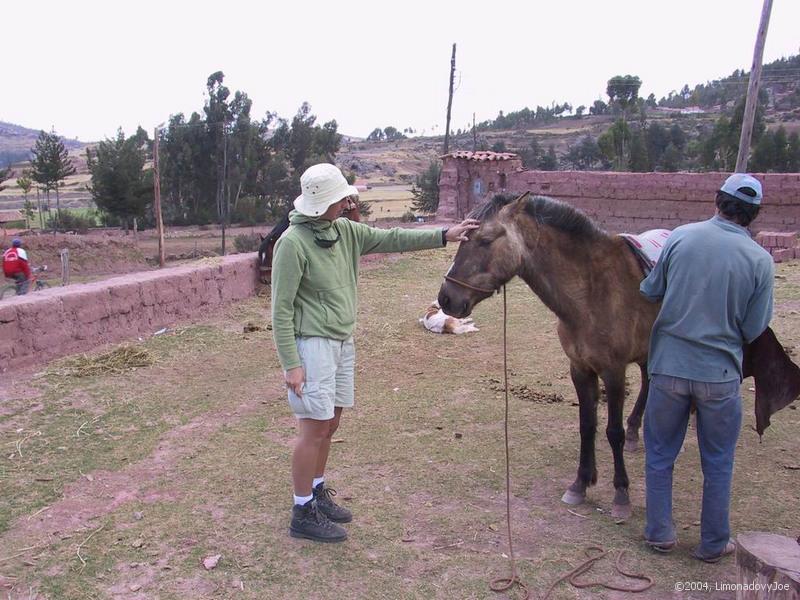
301	500
318	480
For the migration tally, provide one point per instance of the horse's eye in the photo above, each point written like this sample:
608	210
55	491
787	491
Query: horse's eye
485	242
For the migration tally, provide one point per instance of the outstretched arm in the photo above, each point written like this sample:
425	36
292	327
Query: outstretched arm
459	232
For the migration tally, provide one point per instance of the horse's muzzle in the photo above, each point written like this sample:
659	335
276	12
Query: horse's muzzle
454	307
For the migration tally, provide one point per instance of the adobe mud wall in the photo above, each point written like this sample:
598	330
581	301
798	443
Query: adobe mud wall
60	321
619	202
635	202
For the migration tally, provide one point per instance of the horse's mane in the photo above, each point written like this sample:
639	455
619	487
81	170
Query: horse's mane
267	242
279	228
546	211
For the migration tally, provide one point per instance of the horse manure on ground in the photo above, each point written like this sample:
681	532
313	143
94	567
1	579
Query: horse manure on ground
524	392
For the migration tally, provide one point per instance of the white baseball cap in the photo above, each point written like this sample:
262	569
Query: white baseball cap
736	183
322	185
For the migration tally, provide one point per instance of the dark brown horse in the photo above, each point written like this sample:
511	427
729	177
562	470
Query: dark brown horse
590	280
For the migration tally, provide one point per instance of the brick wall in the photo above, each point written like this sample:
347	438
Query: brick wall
60	321
635	202
622	202
782	246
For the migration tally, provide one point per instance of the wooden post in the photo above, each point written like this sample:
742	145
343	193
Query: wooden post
135	230
450	101
223	184
752	90
157	199
767	566
65	266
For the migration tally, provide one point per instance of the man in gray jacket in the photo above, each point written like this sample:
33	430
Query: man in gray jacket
715	286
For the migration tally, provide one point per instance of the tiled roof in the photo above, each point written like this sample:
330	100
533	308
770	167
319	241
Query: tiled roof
481	156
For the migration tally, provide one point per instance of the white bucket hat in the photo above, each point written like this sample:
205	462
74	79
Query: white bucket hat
322	185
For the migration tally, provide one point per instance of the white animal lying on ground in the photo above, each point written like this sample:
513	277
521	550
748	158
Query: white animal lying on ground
436	321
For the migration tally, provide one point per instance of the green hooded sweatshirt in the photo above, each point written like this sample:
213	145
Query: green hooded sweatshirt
314	288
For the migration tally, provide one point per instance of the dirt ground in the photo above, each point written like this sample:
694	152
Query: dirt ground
119	485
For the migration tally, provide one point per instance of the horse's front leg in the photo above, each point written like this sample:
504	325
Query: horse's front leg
585	382
635	418
615	432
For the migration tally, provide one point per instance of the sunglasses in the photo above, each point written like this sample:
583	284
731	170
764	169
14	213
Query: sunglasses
322	242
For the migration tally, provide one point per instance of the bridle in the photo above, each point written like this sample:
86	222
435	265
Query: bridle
471	287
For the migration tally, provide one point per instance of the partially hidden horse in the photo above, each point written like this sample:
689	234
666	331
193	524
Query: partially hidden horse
590	280
267	245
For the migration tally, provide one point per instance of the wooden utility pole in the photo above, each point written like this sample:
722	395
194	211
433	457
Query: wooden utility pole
450	101
157	198
223	185
65	266
752	90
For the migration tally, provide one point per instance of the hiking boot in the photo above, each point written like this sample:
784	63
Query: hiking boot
324	498
310	523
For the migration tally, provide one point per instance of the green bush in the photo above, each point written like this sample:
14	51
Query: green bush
408	217
71	222
247	242
249	211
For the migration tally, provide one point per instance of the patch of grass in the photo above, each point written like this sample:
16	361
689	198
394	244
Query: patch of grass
121	420
196	448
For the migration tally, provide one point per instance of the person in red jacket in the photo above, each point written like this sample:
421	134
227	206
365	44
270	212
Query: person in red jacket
16	266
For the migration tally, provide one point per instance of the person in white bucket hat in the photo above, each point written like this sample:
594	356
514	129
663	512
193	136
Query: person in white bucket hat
314	298
715	287
322	185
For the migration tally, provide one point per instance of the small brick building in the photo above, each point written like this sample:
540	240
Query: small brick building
470	178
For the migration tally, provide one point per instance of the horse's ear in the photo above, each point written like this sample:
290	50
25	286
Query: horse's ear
521	201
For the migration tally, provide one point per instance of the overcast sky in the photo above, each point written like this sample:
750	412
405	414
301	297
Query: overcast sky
89	67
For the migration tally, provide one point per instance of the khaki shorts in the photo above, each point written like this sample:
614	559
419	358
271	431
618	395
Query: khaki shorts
329	366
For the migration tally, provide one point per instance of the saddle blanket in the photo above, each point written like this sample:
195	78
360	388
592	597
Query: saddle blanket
647	246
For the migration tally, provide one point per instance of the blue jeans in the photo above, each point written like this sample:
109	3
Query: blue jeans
719	419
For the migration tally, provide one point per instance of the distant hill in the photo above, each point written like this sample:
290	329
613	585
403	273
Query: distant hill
15	150
16	143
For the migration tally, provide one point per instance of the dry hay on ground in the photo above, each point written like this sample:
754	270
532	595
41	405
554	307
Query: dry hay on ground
115	362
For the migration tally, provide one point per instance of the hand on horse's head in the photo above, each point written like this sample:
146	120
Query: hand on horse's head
459	232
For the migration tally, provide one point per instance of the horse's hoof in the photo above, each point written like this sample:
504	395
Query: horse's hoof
632	445
573	498
621	512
